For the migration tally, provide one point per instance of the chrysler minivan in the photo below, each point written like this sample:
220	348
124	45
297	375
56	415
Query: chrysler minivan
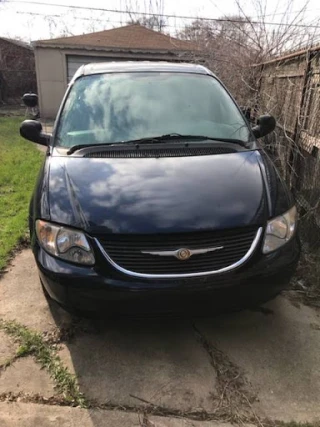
156	195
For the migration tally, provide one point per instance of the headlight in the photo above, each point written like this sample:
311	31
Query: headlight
66	243
280	230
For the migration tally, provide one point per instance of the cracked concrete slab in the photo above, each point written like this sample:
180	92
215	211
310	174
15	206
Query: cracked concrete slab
159	362
7	348
26	376
22	298
162	362
180	422
279	354
36	415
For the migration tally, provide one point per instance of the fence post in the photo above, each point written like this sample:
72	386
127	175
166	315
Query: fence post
258	91
295	162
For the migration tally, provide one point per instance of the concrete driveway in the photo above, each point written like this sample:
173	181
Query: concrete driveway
245	368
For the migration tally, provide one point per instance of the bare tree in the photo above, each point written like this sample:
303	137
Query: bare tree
151	14
152	22
229	51
233	44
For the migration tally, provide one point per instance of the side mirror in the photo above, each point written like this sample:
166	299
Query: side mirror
32	130
266	124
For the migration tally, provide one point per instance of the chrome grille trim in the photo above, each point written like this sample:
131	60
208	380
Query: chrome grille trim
174	276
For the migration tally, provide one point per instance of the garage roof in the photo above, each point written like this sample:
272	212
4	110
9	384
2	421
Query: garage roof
129	37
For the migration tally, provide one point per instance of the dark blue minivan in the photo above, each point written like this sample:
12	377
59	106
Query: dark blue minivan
155	195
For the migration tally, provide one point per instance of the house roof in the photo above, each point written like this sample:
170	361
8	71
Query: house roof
19	43
129	37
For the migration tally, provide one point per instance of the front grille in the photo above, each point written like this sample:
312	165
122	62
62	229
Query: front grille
125	250
160	152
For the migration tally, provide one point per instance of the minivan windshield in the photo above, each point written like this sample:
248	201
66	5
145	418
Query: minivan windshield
110	108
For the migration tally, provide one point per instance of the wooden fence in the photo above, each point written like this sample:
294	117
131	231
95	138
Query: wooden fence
289	88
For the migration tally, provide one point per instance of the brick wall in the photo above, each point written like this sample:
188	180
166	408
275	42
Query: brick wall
17	71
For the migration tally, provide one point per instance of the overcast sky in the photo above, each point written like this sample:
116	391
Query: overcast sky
34	21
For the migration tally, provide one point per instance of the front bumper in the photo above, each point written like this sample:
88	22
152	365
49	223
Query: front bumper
102	288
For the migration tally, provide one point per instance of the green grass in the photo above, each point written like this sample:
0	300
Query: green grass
32	343
20	162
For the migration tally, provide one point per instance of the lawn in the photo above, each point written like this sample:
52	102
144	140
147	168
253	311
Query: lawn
20	161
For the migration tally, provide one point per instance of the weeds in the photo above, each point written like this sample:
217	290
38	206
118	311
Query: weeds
33	344
234	400
306	282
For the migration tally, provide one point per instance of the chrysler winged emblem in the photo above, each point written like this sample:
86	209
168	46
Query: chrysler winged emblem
183	254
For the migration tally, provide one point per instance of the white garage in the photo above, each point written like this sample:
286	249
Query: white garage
58	59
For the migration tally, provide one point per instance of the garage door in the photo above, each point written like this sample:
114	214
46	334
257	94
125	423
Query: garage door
75	61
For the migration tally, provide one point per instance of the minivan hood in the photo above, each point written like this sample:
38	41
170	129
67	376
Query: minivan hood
157	195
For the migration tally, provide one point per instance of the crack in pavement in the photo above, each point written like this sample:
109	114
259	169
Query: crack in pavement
10	361
234	404
149	409
235	400
145	412
73	397
45	354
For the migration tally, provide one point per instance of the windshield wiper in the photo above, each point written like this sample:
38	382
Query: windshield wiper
180	137
168	137
160	139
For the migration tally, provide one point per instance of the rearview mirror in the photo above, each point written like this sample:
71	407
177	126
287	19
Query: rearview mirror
265	125
32	130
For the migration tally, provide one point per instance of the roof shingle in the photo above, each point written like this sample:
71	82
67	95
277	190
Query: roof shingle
129	37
